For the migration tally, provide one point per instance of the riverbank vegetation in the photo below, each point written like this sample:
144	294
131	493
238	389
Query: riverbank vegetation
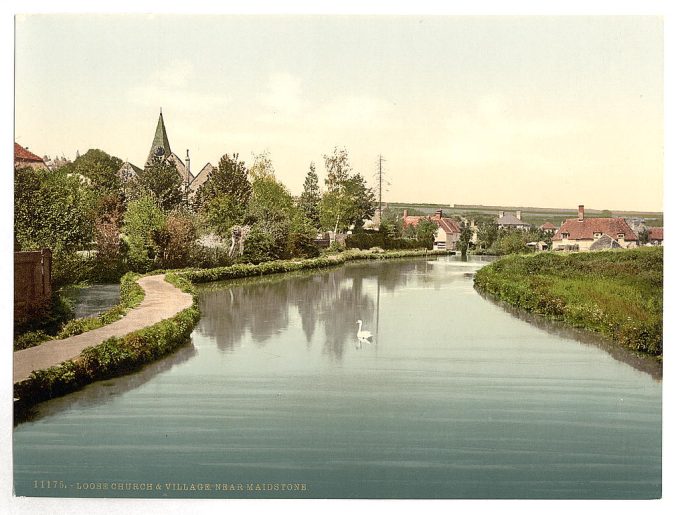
615	293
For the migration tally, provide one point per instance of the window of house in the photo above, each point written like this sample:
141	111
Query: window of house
620	236
565	235
597	234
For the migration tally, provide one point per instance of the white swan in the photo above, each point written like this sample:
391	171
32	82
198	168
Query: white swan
363	335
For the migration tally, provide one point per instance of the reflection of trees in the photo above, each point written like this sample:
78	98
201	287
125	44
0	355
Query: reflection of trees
103	391
336	299
262	308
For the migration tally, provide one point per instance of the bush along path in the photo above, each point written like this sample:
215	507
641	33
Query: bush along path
163	320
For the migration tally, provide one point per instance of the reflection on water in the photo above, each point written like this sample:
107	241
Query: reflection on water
643	362
455	397
332	302
103	391
94	299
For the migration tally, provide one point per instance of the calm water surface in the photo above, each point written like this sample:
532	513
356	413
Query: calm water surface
94	299
455	397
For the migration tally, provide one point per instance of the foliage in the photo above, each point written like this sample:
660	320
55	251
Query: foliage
229	178
51	210
100	168
644	236
617	293
175	240
221	213
464	240
311	196
142	220
262	167
260	245
382	239
162	181
347	199
338	169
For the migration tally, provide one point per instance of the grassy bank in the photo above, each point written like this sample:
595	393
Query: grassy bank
616	293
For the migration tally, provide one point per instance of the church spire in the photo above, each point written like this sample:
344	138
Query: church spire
160	147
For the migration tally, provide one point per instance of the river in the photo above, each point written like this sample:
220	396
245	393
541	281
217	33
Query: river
453	397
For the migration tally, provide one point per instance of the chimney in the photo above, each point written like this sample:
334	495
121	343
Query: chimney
188	162
500	214
405	213
518	214
581	213
438	214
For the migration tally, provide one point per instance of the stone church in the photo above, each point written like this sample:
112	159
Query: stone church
160	150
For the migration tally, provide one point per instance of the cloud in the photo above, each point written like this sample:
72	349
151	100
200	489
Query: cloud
176	87
283	96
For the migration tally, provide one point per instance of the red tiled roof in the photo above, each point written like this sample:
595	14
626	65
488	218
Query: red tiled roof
21	154
656	233
449	225
583	230
548	225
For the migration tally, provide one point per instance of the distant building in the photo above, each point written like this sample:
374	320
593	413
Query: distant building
656	235
549	228
23	158
509	221
582	233
448	230
160	151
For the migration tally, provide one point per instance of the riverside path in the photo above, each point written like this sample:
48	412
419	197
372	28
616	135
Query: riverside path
161	300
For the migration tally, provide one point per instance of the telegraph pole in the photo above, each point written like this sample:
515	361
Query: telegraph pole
380	178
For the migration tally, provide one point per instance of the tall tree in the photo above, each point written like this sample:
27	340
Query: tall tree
338	169
262	167
162	181
347	199
100	168
311	196
229	178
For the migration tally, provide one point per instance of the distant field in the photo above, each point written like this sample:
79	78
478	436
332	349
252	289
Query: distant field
533	215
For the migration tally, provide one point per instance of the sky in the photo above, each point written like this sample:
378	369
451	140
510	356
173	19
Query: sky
527	111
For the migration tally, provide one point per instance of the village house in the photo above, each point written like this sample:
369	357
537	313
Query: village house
549	228
23	158
582	233
509	221
448	230
656	235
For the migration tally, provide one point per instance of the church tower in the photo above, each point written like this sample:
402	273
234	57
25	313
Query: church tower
160	147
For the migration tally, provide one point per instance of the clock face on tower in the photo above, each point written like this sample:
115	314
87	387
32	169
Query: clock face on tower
159	151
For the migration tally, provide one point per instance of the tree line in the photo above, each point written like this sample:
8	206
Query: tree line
99	224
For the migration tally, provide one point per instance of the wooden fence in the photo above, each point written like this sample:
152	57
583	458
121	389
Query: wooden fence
32	282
